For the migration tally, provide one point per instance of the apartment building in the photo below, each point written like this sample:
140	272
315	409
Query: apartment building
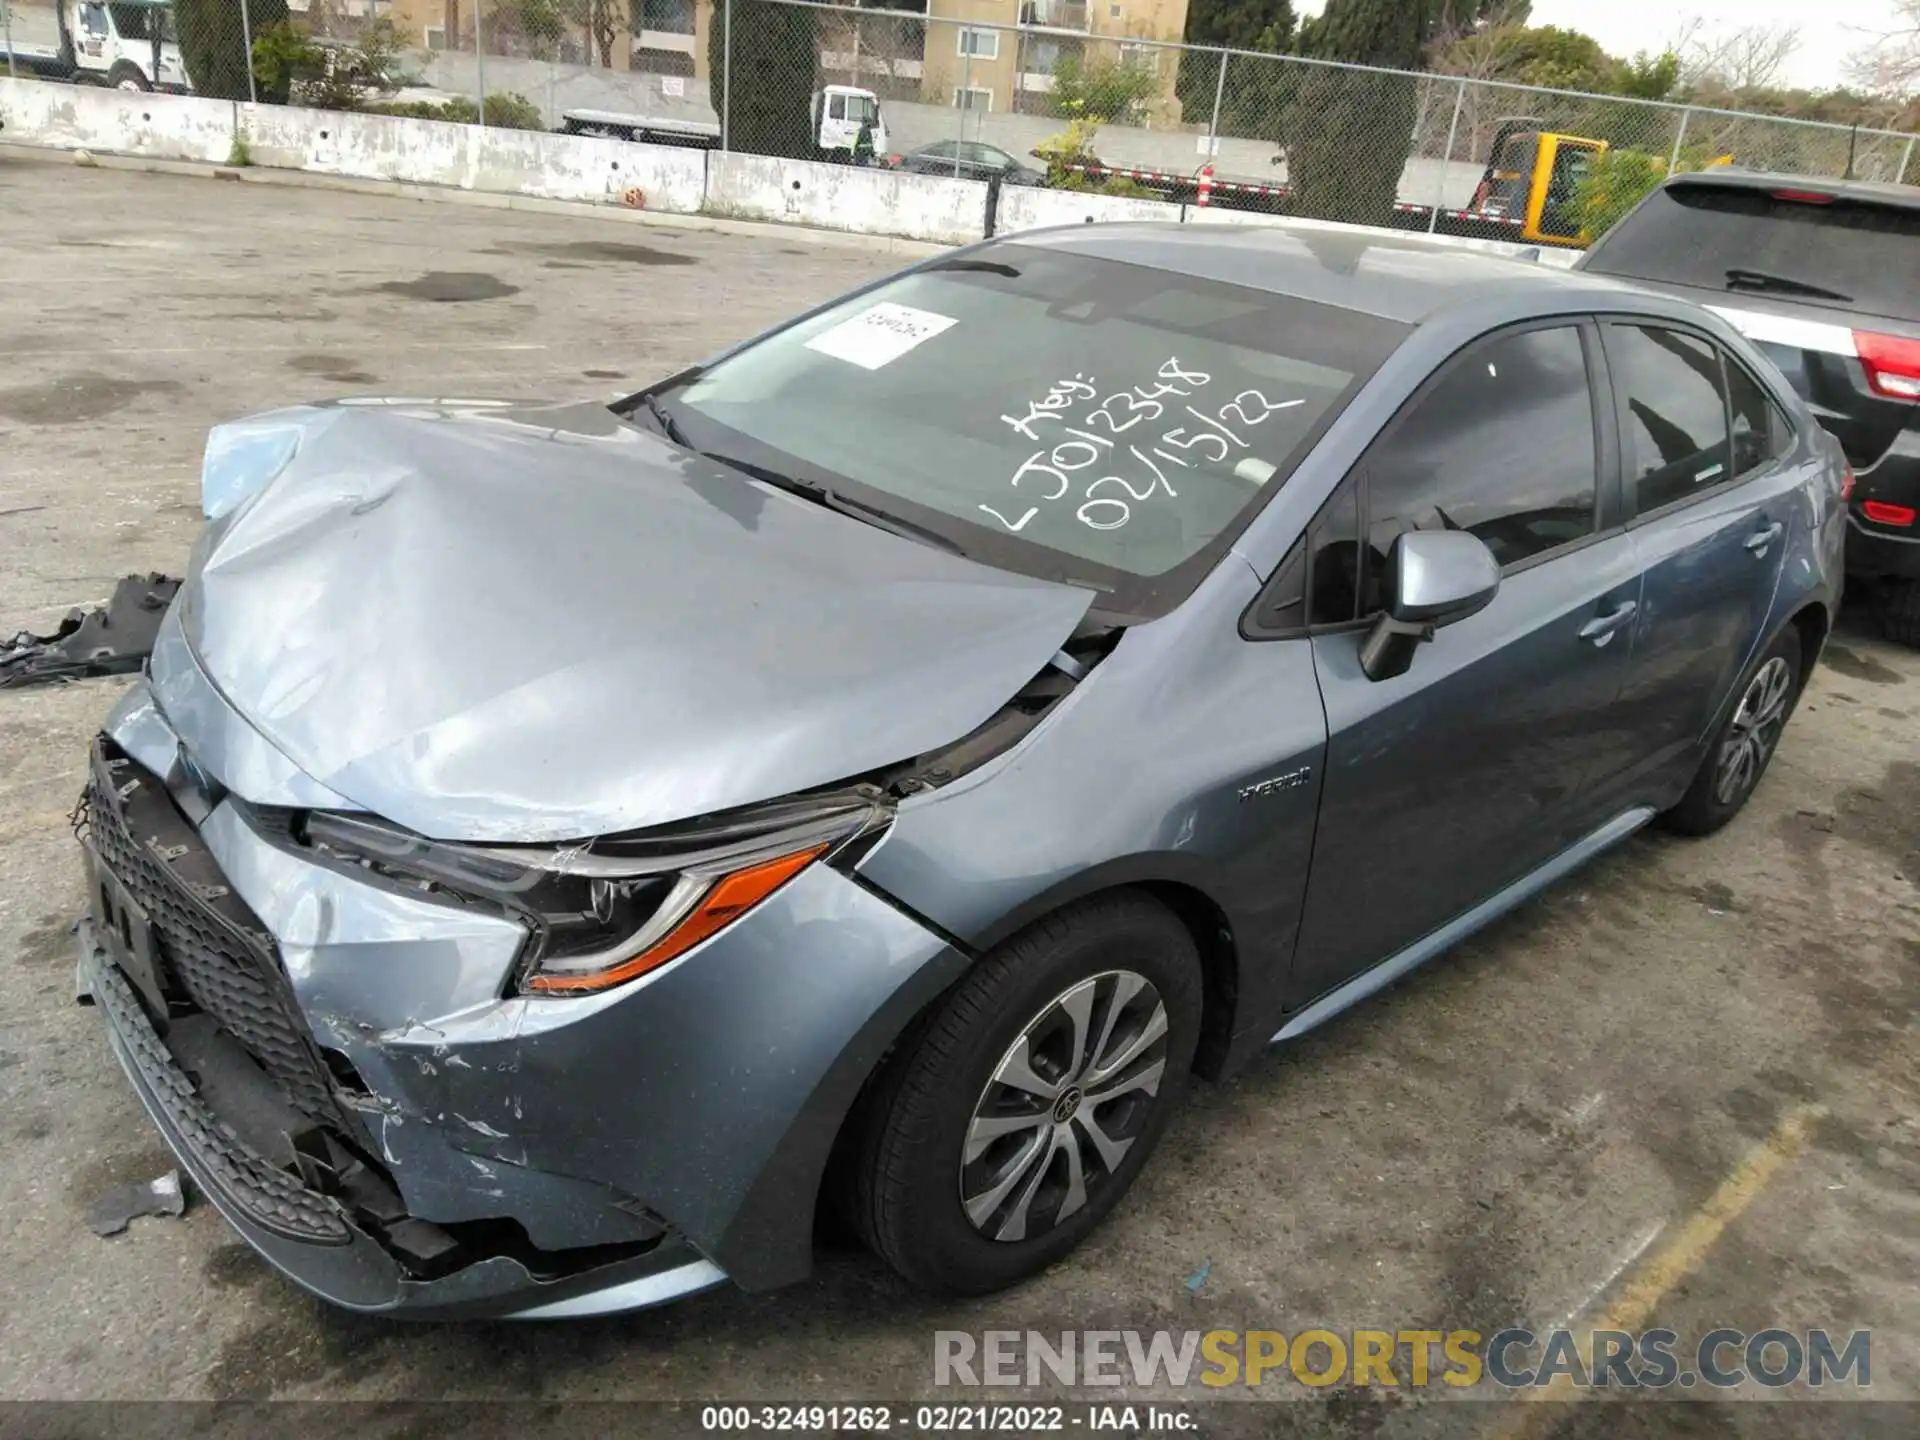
975	68
950	57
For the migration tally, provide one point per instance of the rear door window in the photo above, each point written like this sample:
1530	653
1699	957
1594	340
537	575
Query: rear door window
1673	413
1758	430
1701	234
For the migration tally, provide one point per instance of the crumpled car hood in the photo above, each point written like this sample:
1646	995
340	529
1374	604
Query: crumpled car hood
528	624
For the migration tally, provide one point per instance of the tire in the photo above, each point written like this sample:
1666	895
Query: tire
126	76
1745	743
1018	1014
1900	612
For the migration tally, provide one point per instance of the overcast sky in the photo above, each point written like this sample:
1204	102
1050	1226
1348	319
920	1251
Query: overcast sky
1829	31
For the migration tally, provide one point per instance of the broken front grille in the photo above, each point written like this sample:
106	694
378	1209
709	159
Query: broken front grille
213	949
269	1197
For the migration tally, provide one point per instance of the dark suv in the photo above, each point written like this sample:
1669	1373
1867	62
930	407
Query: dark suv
1824	276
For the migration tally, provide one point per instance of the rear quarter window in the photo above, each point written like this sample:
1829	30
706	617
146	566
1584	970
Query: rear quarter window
1694	234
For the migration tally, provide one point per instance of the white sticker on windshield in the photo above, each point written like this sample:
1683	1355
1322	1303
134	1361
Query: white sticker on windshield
880	334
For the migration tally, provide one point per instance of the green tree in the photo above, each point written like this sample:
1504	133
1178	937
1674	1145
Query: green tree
1264	26
1350	130
1557	59
1100	89
1646	76
764	87
213	43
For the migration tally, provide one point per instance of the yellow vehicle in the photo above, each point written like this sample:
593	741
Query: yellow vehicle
1532	176
1533	179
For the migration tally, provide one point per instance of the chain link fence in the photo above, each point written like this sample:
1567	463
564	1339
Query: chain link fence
1037	91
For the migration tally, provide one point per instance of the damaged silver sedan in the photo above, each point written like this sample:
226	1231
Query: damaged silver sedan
557	851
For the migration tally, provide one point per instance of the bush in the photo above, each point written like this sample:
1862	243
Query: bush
290	65
505	111
1620	179
282	57
1116	185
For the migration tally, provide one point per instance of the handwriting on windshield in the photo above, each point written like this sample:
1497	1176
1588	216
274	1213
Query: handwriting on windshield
1078	443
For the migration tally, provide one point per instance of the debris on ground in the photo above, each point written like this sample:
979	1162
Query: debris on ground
120	1206
110	639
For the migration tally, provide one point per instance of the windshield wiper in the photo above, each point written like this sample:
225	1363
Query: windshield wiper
669	427
834	500
1738	279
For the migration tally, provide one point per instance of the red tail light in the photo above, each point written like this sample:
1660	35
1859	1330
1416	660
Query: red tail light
1892	364
1882	513
1804	197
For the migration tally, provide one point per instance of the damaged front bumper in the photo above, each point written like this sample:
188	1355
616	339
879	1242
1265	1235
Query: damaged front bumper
346	1073
311	1236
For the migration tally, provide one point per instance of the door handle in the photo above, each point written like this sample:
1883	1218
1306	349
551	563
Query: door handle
1600	629
1761	539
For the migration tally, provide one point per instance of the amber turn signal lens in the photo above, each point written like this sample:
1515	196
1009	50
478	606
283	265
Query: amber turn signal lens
730	898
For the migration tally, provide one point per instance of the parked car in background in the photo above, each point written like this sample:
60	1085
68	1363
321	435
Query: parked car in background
1824	277
969	160
557	847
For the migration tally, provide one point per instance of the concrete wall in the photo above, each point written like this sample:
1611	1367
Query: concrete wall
78	117
841	197
583	168
1024	207
367	147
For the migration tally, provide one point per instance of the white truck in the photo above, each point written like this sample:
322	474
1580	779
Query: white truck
128	44
837	112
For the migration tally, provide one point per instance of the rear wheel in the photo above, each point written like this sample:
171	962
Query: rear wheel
1900	612
1745	742
1022	1108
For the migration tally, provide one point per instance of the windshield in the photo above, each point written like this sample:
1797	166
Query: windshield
1702	235
141	22
1053	413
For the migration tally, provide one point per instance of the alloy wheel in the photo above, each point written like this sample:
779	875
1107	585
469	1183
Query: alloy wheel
1064	1106
1754	732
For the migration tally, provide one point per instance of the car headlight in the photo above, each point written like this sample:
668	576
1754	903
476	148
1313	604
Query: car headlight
602	912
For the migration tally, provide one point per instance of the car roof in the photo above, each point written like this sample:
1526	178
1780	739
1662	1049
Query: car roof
1404	278
1725	177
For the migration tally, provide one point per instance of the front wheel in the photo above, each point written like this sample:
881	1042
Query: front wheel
1021	1110
1745	743
127	76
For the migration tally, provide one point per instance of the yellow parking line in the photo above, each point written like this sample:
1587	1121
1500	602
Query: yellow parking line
1656	1278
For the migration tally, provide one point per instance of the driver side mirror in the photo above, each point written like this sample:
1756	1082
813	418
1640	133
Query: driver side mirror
1434	577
